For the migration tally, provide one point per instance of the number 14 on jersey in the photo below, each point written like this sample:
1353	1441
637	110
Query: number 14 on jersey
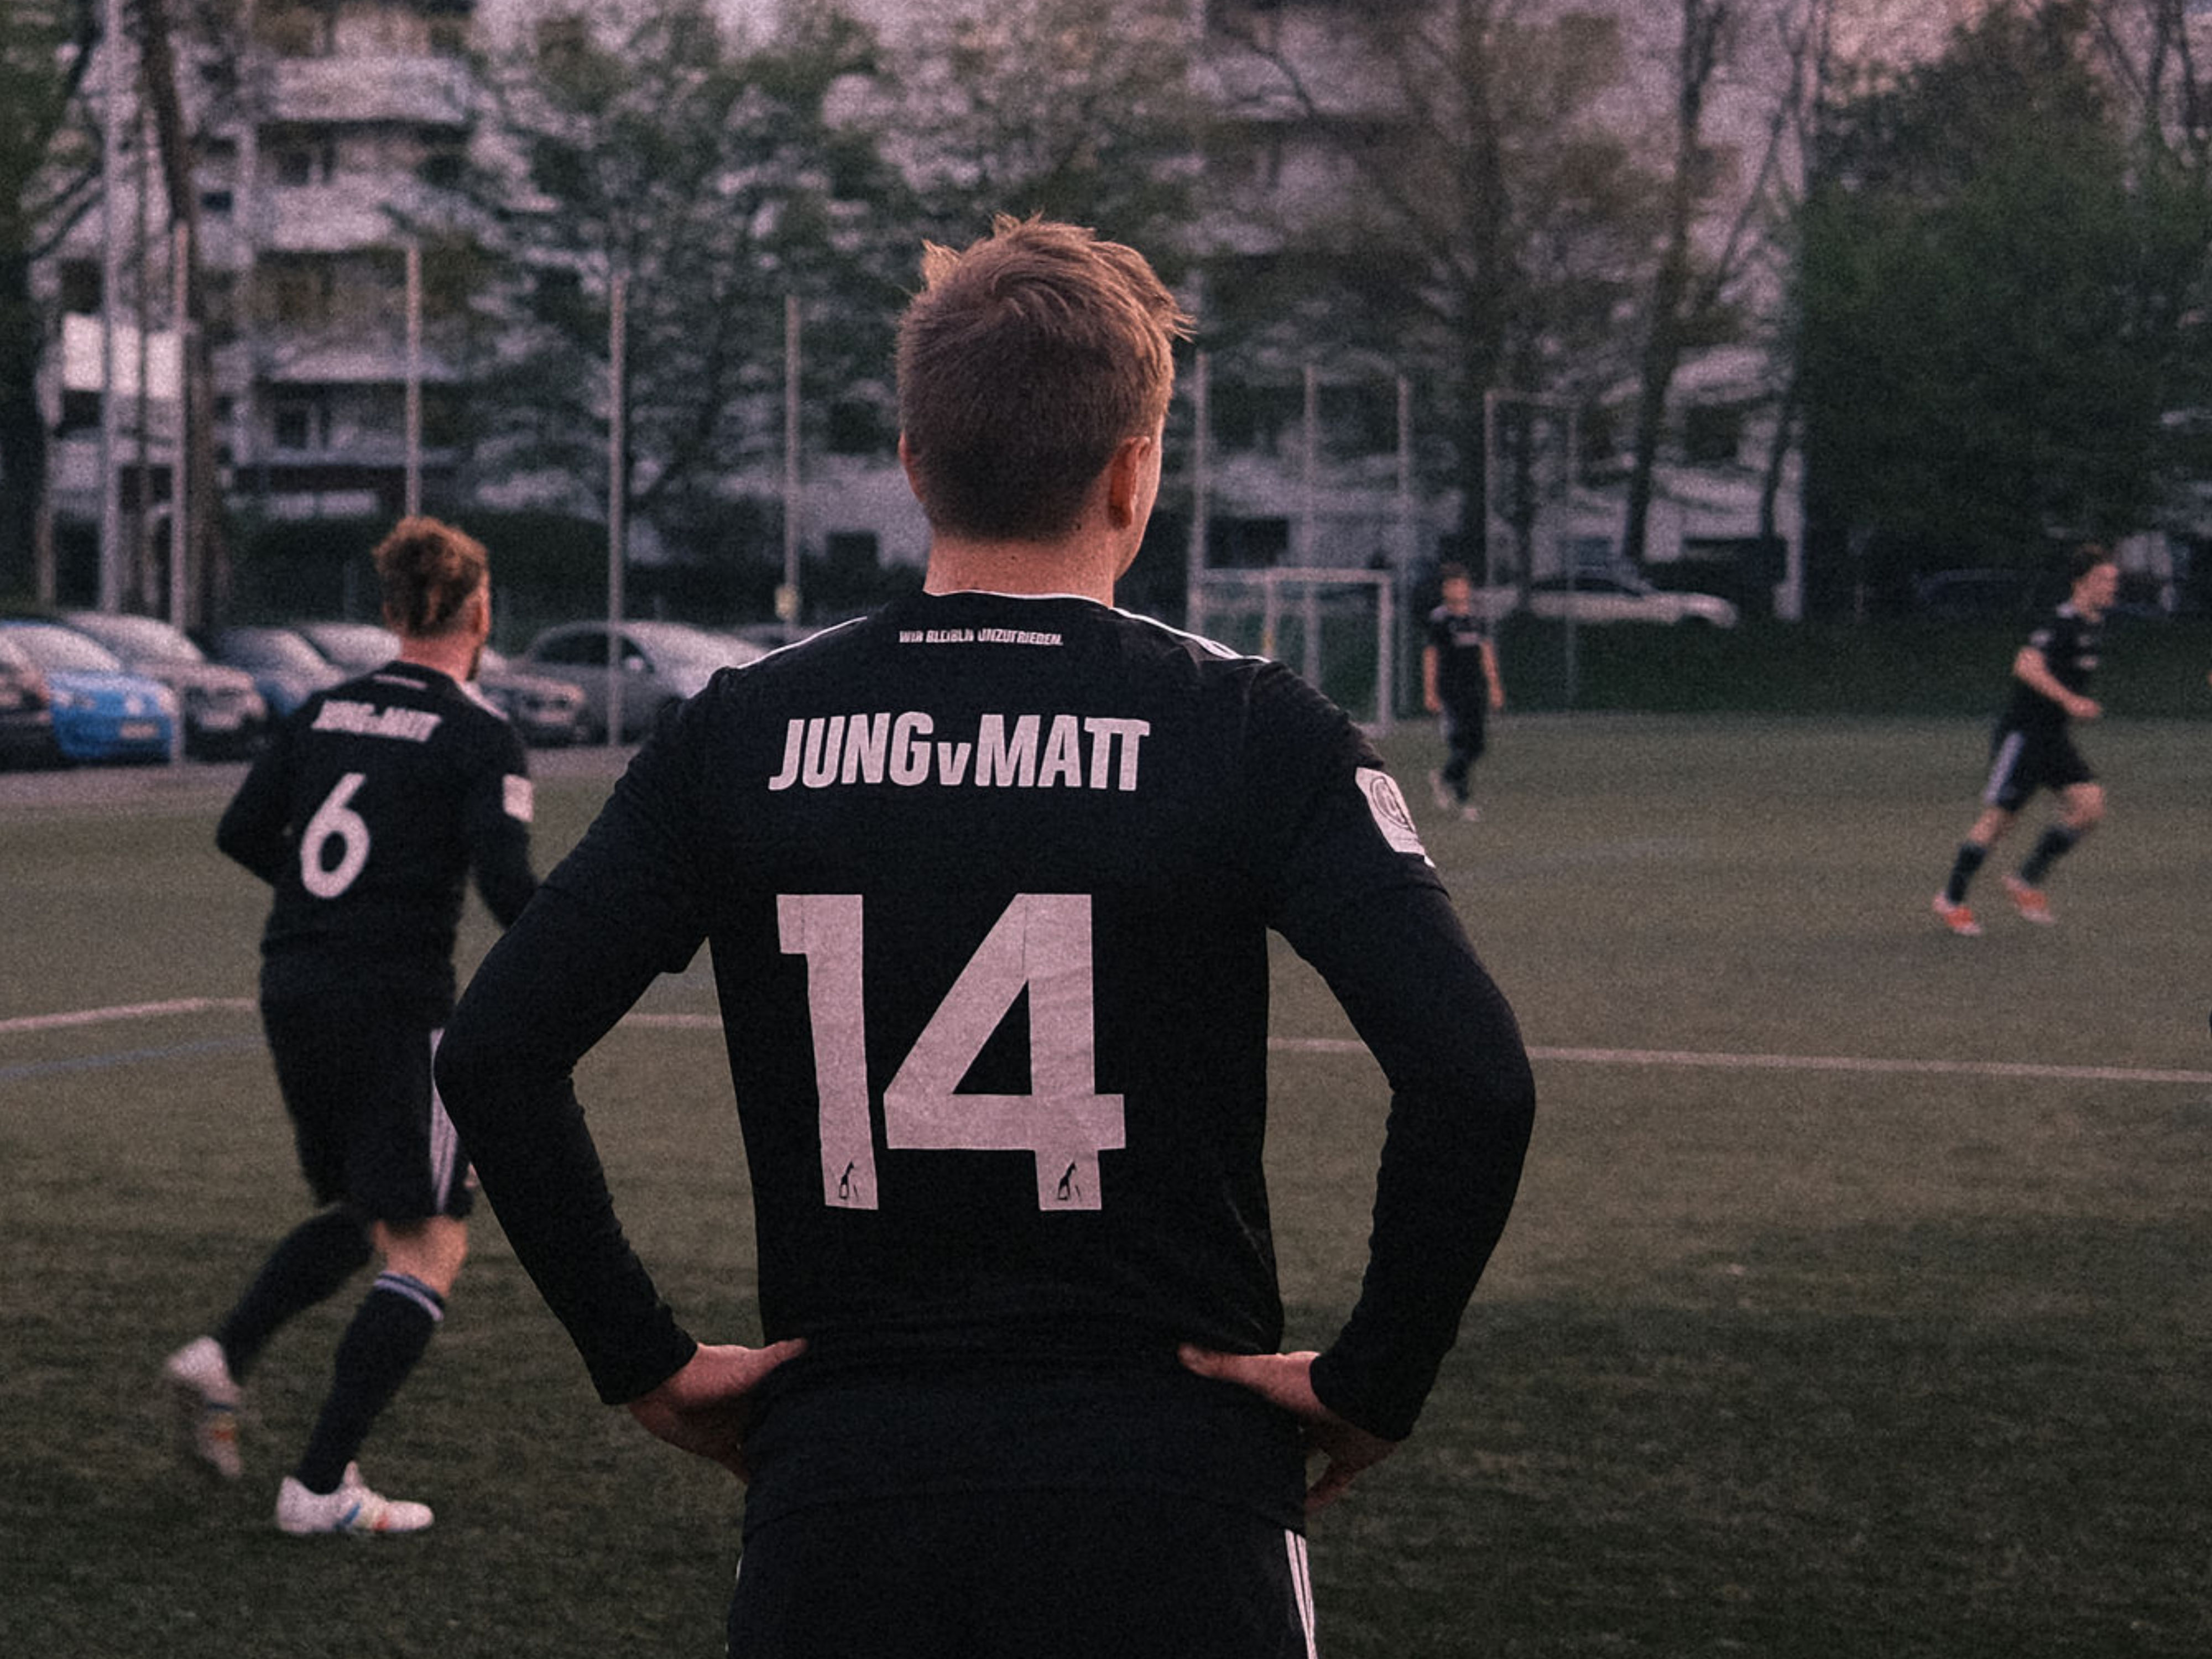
1041	945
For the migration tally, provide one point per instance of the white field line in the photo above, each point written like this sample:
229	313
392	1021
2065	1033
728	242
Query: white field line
1996	1069
127	1011
1865	1065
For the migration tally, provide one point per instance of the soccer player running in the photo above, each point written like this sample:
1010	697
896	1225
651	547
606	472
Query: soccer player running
1459	681
367	814
2031	749
987	877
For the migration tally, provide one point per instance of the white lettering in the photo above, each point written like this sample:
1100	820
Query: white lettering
1102	733
909	751
996	763
824	737
366	719
794	739
867	736
1009	751
1063	755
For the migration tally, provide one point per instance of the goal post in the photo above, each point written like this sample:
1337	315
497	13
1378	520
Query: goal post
1338	628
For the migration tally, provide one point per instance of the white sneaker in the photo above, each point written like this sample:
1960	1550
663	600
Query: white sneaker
1440	792
1471	812
206	1399
353	1509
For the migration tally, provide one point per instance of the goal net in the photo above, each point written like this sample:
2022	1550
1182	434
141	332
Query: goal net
1337	628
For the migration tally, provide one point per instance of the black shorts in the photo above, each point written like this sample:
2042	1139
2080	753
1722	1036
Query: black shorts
1016	1575
370	1129
2023	761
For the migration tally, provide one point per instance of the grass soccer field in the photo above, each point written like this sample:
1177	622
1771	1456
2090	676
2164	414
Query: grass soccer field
1856	1305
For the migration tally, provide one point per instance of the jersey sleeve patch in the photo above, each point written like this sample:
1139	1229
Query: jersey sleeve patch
1387	803
518	797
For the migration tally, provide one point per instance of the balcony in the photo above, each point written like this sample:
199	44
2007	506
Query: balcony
353	91
348	213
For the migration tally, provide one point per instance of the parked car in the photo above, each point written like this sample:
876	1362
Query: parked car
1613	599
26	709
544	712
225	715
354	646
102	711
662	663
1991	595
287	671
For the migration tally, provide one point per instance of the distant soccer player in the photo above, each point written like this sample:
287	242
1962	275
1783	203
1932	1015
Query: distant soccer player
2031	749
986	878
1460	680
367	813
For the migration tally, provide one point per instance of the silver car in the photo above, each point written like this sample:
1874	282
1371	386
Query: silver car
544	712
226	716
662	663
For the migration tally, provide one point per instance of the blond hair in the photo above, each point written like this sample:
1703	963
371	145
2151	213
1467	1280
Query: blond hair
429	571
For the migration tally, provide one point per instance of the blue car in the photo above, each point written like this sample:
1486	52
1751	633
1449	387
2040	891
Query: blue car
101	713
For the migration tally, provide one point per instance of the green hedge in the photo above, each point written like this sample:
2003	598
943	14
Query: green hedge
2152	668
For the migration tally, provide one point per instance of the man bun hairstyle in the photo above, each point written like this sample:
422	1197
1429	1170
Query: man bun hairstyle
1024	363
428	572
2086	557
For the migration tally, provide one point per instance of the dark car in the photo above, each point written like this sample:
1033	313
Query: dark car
662	663
287	671
543	712
27	710
1992	595
225	714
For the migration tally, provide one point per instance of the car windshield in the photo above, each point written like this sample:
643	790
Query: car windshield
147	638
274	649
672	643
63	648
353	645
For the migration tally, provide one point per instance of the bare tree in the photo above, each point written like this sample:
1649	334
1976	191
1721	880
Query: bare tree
1492	222
48	179
206	551
1716	225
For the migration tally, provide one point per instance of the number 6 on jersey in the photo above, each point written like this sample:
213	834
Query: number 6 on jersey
1042	944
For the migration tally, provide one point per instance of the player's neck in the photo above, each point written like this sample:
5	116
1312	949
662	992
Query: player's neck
453	655
957	566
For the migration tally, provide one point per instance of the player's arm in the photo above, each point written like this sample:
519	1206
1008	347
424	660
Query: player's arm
253	829
2032	669
1355	896
1491	673
618	911
496	821
1463	1103
1431	693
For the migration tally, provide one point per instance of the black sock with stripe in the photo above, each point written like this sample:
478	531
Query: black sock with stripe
387	1337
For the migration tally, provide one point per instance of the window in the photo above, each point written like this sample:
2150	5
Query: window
79	285
296	290
298	157
582	648
1712	435
301	422
859	429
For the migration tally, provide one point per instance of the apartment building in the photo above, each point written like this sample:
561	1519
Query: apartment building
329	120
334	117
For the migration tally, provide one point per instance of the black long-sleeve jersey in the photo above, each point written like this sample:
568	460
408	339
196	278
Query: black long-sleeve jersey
987	883
367	813
2070	645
